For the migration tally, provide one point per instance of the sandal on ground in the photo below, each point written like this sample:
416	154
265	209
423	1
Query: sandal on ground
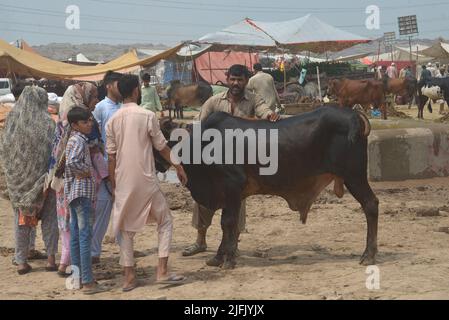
96	289
172	279
134	285
63	274
51	268
194	249
24	270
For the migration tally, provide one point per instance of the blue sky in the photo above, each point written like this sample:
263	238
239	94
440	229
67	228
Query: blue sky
171	21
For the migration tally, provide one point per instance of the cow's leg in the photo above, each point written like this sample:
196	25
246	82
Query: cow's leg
364	195
429	106
383	109
229	225
225	256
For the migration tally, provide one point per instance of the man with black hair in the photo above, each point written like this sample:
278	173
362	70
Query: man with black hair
104	110
132	133
241	103
425	77
263	84
150	98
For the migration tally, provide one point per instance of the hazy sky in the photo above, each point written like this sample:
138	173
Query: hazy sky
171	21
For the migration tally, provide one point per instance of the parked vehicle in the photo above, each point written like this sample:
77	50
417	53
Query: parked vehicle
5	86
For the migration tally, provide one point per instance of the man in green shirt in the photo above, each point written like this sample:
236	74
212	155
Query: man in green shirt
150	98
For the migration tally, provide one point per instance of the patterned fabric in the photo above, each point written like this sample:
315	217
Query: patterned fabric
25	148
78	162
25	234
77	95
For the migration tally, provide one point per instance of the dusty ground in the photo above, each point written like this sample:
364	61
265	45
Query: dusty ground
280	257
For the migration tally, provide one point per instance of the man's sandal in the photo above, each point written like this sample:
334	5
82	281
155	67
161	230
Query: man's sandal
194	249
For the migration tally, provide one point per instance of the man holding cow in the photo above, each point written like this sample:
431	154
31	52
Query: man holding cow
241	103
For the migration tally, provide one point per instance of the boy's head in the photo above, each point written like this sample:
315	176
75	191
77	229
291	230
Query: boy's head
110	83
129	87
80	120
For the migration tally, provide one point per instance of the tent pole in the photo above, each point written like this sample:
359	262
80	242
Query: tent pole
410	44
183	67
193	65
319	83
210	68
250	60
285	72
378	53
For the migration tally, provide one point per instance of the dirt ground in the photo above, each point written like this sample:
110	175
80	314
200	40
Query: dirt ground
280	257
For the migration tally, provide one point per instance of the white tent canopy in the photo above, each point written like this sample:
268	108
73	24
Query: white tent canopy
307	33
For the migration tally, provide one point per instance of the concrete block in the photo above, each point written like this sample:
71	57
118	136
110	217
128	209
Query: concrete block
410	153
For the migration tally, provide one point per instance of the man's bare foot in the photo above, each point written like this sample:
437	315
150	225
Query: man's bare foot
51	263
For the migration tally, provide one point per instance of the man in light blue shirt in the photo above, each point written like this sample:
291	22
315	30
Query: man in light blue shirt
104	110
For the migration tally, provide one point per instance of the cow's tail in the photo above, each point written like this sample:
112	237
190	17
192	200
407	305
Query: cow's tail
359	125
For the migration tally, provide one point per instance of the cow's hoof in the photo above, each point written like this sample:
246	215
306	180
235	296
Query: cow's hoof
367	260
228	264
214	262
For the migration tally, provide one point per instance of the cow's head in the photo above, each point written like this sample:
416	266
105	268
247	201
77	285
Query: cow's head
167	126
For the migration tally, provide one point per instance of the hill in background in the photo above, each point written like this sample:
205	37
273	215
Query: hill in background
93	51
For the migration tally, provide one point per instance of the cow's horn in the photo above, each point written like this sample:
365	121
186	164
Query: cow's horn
366	124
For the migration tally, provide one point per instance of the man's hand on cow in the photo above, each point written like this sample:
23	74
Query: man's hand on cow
273	117
182	176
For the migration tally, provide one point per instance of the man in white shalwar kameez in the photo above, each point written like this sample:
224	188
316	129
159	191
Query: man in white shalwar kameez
131	135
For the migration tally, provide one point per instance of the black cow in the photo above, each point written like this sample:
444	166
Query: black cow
314	149
443	83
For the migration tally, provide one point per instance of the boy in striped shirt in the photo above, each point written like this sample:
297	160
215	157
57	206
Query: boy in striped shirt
79	187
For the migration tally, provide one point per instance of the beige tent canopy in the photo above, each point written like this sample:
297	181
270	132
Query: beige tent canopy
17	61
439	51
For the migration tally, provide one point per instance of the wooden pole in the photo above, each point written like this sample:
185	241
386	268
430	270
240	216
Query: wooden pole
210	68
250	60
319	83
378	53
285	72
410	44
